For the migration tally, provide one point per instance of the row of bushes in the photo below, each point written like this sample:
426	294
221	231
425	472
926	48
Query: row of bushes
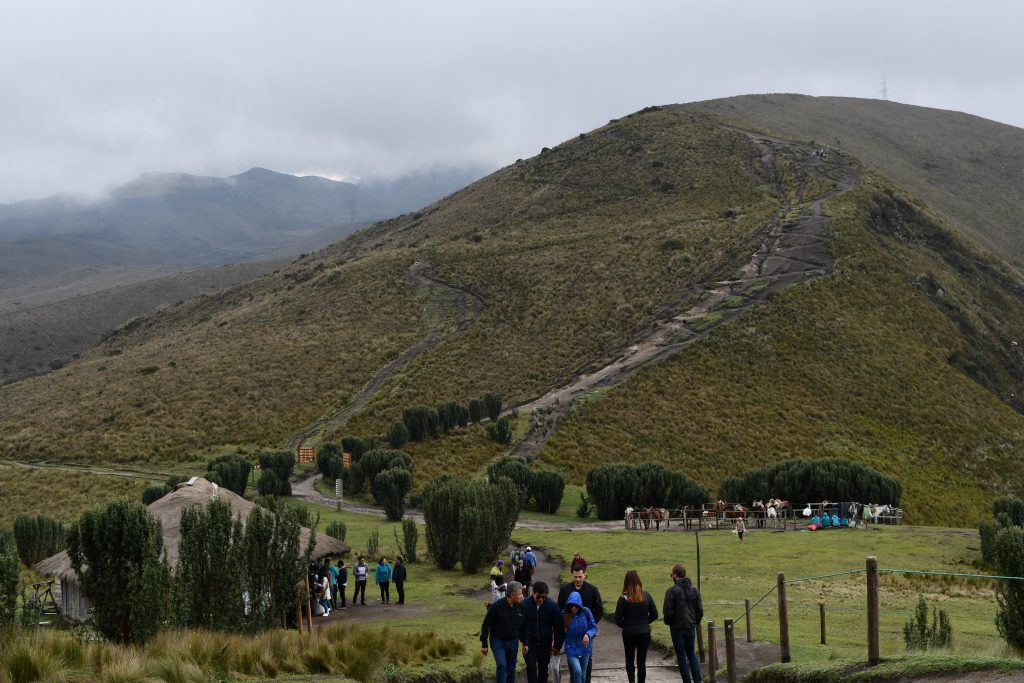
802	480
386	472
420	422
117	551
541	490
614	487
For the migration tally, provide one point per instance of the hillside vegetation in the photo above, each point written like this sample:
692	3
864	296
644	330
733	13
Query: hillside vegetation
967	168
899	352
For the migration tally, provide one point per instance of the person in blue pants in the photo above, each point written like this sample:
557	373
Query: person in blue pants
682	612
504	627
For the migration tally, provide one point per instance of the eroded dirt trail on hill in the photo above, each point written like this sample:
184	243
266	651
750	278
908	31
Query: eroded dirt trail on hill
462	306
793	248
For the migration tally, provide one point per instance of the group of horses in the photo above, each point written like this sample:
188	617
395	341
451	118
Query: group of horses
763	513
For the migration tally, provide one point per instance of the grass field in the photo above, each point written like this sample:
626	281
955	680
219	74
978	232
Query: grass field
731	572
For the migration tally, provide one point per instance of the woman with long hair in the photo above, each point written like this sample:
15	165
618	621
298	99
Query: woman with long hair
634	613
580	631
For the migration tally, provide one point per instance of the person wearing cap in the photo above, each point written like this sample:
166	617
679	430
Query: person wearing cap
530	560
504	627
544	633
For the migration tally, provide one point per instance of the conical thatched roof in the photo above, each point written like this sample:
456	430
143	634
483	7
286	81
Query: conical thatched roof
168	510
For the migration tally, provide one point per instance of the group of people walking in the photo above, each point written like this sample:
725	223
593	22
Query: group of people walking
329	583
546	628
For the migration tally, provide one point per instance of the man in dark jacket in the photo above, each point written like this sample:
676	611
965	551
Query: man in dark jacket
544	633
590	596
398	576
505	627
682	612
342	581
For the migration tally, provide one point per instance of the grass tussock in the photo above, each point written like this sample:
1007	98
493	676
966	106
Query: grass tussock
198	656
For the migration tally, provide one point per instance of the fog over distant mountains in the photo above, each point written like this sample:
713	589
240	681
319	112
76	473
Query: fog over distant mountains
181	219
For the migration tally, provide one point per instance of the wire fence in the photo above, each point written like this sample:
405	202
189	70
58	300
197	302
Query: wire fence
848	617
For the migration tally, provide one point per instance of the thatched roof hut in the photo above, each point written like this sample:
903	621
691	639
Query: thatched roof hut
167	511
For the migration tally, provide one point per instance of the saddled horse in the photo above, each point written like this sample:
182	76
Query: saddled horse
724	510
636	517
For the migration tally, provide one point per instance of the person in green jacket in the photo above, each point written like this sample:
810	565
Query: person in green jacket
383	577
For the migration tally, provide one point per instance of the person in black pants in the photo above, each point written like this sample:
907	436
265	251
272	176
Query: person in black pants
634	613
398	576
342	582
590	596
362	573
545	633
504	627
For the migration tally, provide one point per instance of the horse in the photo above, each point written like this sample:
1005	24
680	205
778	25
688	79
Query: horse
659	515
630	518
736	511
758	505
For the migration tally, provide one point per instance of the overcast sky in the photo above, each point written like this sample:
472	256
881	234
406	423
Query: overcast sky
94	93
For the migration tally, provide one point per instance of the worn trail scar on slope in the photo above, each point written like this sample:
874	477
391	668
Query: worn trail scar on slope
465	309
791	250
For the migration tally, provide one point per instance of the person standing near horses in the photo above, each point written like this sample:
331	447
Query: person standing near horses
504	627
634	614
682	612
590	597
741	527
580	631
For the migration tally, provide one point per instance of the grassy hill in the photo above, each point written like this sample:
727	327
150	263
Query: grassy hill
903	357
965	167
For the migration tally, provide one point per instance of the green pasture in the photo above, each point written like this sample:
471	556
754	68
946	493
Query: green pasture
731	572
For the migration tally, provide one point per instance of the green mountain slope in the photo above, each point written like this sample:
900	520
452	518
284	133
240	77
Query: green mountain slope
891	342
967	168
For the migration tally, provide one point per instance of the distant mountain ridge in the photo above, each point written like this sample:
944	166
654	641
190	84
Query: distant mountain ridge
183	219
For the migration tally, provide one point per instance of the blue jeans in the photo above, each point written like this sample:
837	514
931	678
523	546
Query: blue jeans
682	643
505	652
578	666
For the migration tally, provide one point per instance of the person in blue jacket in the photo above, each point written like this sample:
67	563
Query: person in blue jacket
383	578
580	630
544	633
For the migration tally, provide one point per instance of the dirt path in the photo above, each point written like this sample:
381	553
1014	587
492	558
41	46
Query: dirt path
464	306
795	249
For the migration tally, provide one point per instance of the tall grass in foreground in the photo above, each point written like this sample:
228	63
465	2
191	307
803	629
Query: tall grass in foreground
193	656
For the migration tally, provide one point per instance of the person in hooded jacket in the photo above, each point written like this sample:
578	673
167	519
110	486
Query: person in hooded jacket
634	614
580	630
590	596
544	633
682	613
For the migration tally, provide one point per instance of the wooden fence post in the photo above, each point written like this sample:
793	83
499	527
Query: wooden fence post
730	652
783	620
872	579
750	634
821	612
712	652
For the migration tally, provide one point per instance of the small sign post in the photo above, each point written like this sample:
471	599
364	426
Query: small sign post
307	454
339	493
346	459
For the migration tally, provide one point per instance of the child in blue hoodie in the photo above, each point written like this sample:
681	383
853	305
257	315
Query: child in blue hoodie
580	631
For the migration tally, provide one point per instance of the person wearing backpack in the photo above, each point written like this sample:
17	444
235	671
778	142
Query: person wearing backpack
682	612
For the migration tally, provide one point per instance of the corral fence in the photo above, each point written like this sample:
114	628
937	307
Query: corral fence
870	613
713	517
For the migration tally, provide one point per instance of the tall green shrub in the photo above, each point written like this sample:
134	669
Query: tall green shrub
500	431
1008	555
448	416
9	574
476	410
919	635
1012	507
209	577
231	471
273	562
547	489
610	488
468	521
38	537
492	405
152	494
281	464
517	471
118	554
365	471
390	488
337	530
398	435
417	420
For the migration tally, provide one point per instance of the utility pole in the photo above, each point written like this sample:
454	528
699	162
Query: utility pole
885	88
